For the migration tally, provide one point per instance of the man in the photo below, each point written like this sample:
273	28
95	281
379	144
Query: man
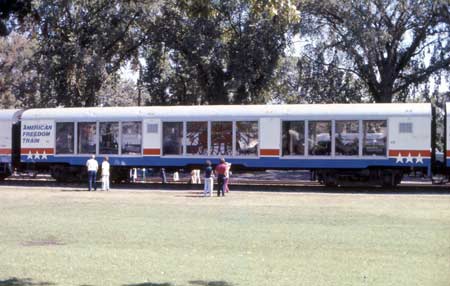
220	173
92	167
105	174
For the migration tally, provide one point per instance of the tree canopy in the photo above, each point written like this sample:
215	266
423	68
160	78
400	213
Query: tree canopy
388	45
72	53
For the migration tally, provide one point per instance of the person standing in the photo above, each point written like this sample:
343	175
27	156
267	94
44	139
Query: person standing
162	174
105	174
220	173
209	182
92	167
227	177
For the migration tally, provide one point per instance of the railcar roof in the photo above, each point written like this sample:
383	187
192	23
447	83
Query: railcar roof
216	112
10	114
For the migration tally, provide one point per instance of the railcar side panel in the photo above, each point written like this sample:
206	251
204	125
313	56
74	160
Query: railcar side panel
270	137
410	141
152	137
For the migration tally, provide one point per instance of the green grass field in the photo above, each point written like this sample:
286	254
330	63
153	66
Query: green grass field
172	238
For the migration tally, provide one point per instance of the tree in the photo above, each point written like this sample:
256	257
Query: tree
18	80
390	46
116	91
216	51
11	11
83	43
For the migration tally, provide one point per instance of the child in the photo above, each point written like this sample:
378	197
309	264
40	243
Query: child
209	182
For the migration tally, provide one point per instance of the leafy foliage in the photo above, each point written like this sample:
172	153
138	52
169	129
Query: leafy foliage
18	80
390	46
81	44
10	11
216	51
221	52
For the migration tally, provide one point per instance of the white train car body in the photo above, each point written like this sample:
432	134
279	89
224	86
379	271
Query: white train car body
7	119
447	134
334	136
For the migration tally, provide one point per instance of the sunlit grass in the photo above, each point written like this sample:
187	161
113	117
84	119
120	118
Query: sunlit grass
62	237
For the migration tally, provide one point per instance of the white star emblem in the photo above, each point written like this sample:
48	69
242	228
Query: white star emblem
36	156
30	156
419	159
399	158
409	159
44	156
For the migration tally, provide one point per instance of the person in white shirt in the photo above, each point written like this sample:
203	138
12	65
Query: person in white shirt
92	167
105	174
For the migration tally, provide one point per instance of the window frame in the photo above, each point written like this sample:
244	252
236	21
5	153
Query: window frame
331	139
233	133
386	155
120	137
359	139
96	138
305	141
183	139
75	139
257	155
119	144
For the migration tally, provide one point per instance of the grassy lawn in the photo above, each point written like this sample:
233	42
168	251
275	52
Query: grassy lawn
172	238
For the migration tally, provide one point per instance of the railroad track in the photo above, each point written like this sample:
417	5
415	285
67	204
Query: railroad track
425	187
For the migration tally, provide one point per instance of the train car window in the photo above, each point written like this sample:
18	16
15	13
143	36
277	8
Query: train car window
319	138
109	138
293	138
131	138
65	137
87	137
247	141
172	138
347	138
197	138
375	137
222	138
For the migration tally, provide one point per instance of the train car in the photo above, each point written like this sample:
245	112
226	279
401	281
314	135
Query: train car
447	138
340	143
8	120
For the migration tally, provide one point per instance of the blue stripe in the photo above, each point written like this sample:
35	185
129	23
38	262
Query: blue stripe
5	159
262	162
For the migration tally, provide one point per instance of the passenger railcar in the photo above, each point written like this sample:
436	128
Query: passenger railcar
8	119
339	142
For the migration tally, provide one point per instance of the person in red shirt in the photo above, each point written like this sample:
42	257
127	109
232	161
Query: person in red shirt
220	174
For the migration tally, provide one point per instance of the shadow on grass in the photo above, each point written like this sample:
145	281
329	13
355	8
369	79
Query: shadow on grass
191	195
149	284
210	283
23	282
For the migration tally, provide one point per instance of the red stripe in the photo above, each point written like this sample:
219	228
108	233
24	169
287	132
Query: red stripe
153	152
414	153
448	153
269	152
5	151
39	150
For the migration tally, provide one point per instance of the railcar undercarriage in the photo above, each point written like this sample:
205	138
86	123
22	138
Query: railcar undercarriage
348	177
